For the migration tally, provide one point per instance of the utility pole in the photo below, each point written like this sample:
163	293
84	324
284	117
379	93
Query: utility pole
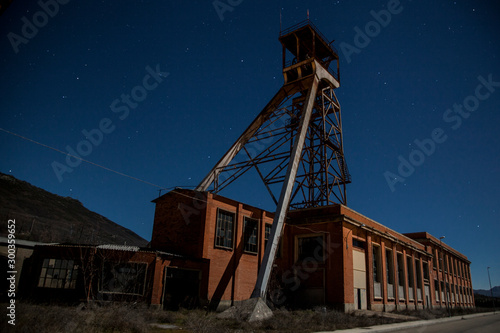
491	290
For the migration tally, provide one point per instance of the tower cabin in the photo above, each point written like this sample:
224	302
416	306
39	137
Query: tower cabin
305	49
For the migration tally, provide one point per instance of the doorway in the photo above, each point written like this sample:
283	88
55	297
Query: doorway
181	288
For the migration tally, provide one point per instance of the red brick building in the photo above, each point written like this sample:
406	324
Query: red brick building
207	249
230	234
75	273
328	255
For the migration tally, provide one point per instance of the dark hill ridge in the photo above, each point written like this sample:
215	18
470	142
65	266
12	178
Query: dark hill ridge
46	217
488	292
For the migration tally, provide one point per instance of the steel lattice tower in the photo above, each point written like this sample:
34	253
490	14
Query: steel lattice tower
295	144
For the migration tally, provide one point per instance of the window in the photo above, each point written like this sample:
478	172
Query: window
426	271
434	260
310	248
224	230
267	233
377	272
57	273
377	275
418	271
123	278
401	270
401	276
409	267
358	243
250	235
436	290
389	266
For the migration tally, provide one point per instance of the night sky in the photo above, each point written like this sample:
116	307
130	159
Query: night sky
163	88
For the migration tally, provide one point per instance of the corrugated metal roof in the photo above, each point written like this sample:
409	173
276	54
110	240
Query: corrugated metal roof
118	247
22	242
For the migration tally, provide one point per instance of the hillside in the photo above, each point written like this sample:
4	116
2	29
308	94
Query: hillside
46	217
487	292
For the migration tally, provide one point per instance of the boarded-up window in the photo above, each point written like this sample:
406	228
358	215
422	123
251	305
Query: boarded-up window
123	278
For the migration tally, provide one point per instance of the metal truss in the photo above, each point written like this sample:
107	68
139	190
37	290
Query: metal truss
295	144
322	172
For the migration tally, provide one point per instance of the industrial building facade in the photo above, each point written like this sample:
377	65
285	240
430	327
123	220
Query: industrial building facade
206	250
328	255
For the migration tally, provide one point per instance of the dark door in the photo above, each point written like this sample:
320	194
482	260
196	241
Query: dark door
181	289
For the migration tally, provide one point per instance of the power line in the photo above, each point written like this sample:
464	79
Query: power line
175	188
82	159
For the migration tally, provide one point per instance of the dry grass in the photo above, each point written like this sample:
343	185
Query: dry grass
53	318
137	318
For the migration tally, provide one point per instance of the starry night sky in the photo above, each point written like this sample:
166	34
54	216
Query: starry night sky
215	71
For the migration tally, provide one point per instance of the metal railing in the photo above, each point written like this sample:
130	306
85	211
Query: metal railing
330	68
303	24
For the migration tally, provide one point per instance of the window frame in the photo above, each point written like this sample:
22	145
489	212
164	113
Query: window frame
115	263
55	270
389	266
377	263
269	226
217	228
358	243
298	247
255	231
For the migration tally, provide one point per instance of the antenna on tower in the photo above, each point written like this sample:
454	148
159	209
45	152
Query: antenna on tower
308	14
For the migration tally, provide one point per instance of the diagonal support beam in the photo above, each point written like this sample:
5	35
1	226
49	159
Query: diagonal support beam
286	191
275	102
